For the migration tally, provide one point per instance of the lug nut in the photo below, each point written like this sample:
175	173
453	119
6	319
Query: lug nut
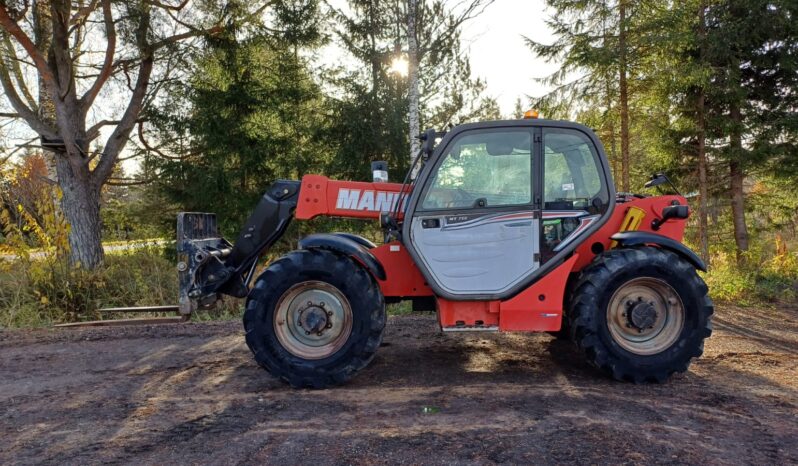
319	334
329	313
307	332
321	304
328	326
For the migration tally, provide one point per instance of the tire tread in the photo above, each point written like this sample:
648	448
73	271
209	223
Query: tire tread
283	273
585	314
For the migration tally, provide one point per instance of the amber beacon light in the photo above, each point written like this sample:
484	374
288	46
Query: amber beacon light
531	114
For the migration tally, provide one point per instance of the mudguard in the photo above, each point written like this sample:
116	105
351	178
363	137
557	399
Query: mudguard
344	244
639	238
357	239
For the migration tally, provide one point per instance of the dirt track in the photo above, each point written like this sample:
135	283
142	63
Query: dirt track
192	394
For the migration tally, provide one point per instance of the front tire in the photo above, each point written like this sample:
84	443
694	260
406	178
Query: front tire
314	318
640	314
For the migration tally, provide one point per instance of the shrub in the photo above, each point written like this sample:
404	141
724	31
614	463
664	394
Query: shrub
762	276
40	287
41	291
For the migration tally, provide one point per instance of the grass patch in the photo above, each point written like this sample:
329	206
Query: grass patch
35	293
403	308
45	291
757	280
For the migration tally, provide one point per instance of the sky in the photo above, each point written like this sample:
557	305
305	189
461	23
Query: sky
494	42
498	53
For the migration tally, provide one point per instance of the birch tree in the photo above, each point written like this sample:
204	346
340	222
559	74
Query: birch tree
437	88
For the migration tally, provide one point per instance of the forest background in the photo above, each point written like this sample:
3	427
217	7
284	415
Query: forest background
162	106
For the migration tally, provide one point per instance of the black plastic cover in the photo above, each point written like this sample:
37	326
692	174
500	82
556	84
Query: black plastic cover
347	246
640	238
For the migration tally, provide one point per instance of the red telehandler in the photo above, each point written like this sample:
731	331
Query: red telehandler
510	226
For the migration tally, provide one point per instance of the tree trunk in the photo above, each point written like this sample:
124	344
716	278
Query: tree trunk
43	35
736	192
80	201
624	98
738	208
412	76
81	206
703	191
613	149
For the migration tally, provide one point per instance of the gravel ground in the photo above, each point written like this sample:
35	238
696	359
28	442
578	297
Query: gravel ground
191	393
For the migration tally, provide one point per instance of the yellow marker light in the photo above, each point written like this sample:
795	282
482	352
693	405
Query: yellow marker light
531	114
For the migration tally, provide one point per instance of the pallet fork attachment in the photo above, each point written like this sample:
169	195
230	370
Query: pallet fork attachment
136	321
208	265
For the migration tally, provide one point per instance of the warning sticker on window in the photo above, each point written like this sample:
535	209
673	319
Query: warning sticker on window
567	186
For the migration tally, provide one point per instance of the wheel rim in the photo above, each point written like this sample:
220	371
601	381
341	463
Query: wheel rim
645	316
313	320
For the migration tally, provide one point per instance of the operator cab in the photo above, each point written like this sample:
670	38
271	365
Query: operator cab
498	201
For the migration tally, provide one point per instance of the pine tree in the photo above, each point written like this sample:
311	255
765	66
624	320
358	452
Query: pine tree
599	42
726	72
677	74
751	101
251	113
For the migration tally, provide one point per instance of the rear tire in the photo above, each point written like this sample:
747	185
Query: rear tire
640	314
314	318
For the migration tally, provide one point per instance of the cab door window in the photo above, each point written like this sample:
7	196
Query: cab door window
489	168
574	190
572	173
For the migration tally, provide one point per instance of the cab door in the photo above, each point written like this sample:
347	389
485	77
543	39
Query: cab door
575	192
476	226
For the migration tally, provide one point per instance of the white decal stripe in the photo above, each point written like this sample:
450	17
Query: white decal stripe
516	216
491	219
563	213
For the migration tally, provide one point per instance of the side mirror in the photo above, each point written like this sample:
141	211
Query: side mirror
379	171
672	211
656	180
428	142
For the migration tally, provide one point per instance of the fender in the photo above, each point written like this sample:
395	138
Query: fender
347	246
357	239
640	238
